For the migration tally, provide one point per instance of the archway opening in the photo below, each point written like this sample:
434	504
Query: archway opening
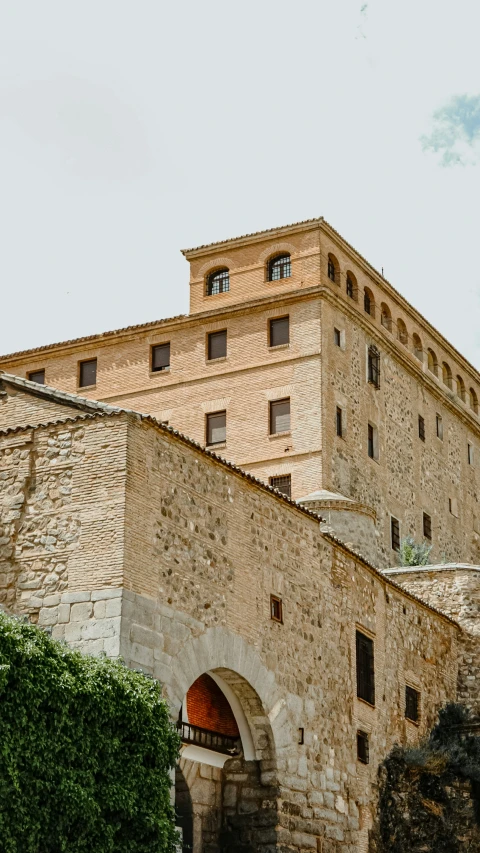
226	791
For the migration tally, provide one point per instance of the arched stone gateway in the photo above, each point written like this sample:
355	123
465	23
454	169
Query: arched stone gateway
226	788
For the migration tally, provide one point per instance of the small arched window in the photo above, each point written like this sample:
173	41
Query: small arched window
473	400
446	375
432	362
218	282
417	346
368	302
402	333
333	269
279	267
352	287
386	316
461	392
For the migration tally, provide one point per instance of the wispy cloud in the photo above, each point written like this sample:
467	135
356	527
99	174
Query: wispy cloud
363	21
455	134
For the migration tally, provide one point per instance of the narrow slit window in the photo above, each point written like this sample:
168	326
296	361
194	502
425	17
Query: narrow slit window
216	428
276	609
421	427
395	533
363	750
160	357
374	366
427	526
283	484
412	704
439	423
279	333
337	337
470	454
339	422
217	345
88	373
372	442
280	416
365	668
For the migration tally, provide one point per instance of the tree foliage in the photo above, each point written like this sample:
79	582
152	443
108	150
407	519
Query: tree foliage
414	553
86	749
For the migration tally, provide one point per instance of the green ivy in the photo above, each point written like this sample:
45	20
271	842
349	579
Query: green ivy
86	750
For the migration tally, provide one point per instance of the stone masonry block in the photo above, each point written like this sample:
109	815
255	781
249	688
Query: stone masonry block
82	611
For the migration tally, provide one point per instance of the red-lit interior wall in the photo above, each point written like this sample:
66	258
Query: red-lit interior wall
208	708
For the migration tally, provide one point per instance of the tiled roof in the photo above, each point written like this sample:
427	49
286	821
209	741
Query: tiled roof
316	220
93	408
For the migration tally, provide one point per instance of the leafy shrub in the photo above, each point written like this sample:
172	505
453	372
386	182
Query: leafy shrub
414	553
86	749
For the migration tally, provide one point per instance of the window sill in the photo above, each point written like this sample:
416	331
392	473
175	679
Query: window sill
87	387
280	434
415	723
215	360
278	346
367	704
157	372
213	447
372	459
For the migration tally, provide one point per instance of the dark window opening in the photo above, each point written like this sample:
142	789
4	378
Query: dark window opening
218	282
339	422
301	736
279	331
337	337
367	302
365	668
439	427
412	704
279	267
217	345
160	357
351	289
427	526
282	484
216	428
372	442
331	270
276	609
470	454
395	533
374	366
37	376
88	373
421	427
279	416
363	751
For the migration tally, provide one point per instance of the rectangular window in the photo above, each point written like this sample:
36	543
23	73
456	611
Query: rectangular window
337	337
421	427
279	331
87	373
279	416
470	454
160	357
363	751
216	428
339	422
374	366
427	526
276	608
37	376
365	668
412	704
283	484
395	533
372	442
217	345
439	427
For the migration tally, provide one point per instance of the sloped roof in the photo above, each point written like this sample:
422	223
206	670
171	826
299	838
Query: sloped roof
94	408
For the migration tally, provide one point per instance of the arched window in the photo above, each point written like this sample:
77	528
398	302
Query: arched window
386	316
432	362
417	346
368	302
218	282
473	400
461	392
333	269
279	267
402	333
446	375
352	287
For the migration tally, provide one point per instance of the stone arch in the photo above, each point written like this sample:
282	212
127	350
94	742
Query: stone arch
212	265
386	316
280	248
402	333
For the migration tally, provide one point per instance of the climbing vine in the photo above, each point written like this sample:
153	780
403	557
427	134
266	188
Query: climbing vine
86	750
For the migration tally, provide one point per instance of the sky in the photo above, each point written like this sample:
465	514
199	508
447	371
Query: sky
130	129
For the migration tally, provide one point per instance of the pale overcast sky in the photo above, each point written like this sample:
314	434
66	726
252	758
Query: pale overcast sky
130	129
